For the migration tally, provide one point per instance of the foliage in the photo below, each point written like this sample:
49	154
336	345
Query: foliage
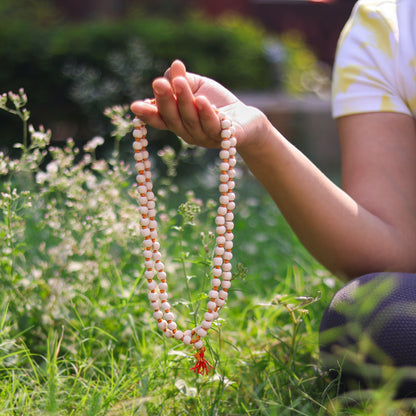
76	332
74	71
302	73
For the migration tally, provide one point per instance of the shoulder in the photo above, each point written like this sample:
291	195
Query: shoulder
373	64
374	18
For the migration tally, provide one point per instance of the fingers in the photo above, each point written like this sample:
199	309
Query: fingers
186	104
208	117
178	109
148	113
199	119
166	104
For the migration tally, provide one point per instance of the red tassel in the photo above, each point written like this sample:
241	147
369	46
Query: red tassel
202	366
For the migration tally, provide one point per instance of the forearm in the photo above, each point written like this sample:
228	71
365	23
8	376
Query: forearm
341	234
373	231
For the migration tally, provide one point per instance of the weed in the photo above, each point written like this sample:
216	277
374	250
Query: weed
76	332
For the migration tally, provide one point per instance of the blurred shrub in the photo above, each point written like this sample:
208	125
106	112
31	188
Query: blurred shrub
74	71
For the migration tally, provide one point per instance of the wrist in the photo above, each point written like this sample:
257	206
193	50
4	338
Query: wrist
255	135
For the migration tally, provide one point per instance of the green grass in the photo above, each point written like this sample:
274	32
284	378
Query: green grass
76	332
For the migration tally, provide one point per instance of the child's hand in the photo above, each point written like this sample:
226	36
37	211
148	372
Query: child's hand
184	105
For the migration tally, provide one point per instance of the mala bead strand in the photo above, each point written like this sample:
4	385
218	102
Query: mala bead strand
154	267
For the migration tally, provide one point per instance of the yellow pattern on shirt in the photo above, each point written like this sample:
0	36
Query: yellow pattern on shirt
369	18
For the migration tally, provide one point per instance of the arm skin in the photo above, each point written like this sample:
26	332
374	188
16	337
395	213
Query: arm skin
368	226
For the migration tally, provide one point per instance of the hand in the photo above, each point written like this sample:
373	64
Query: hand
184	105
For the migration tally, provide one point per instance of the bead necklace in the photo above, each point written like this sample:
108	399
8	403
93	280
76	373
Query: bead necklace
154	267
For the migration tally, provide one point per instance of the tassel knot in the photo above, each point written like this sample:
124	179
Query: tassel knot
202	366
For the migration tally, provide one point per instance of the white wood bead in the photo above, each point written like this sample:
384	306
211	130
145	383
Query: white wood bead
162	325
178	335
147	254
163	296
144	210
224	178
227	276
211	305
217	261
229	225
225	124
216	282
165	306
219	220
159	266
220	302
228	256
158	315
216	271
220	240
155	296
169	316
206	324
208	316
226	284
229	236
219	251
198	345
172	326
224	166
221	230
148	264
156	256
222	211
224	154
152	285
223	188
223	294
224	199
226	134
201	332
229	216
213	294
147	243
225	144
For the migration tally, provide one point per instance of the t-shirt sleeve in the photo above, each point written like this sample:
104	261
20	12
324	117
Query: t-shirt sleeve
365	64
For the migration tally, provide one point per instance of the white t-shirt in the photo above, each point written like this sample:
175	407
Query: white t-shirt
375	65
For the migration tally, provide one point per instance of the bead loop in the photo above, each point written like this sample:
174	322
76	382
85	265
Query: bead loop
221	271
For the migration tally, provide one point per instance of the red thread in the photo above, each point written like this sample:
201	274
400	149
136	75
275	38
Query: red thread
202	366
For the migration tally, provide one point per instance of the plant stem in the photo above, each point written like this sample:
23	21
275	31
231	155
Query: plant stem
188	289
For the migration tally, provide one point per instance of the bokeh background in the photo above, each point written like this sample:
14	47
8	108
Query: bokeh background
74	58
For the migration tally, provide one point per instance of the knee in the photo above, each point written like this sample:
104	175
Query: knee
370	325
